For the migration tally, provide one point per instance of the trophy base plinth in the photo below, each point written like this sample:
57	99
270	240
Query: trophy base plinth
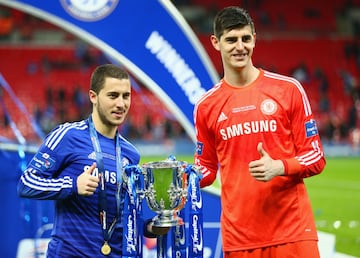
165	222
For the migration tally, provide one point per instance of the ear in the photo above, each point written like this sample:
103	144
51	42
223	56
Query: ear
215	42
92	96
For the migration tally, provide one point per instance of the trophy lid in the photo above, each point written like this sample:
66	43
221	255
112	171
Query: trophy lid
164	164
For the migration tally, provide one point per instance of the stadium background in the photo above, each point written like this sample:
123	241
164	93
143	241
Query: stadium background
317	43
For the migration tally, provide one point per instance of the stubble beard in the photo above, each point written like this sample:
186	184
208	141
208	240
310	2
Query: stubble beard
103	118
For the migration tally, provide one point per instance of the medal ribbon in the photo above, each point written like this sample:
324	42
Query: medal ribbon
107	231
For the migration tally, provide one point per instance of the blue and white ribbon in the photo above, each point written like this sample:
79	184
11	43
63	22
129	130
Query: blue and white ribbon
196	237
132	215
179	245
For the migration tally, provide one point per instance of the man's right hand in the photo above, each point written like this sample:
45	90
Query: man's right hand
87	183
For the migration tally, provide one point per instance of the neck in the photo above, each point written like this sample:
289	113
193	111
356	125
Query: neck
241	77
104	129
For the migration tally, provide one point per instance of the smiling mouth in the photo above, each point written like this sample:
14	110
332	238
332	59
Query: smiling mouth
242	55
119	114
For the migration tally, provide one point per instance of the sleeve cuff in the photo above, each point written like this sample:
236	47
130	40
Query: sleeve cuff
147	233
74	186
291	166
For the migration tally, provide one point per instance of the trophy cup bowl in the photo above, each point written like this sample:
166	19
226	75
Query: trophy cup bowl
165	189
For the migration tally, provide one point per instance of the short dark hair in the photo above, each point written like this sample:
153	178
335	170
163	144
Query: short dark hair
230	18
102	72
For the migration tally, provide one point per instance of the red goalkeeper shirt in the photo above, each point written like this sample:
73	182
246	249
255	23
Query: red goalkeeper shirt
229	123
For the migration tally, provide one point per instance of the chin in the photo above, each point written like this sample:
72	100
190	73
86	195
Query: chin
119	121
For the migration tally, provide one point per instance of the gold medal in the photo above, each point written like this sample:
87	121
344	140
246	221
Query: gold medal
105	249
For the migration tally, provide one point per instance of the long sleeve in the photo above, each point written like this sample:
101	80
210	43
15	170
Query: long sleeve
48	176
205	154
33	185
308	158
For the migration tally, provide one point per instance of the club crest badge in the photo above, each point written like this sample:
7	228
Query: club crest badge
90	10
268	107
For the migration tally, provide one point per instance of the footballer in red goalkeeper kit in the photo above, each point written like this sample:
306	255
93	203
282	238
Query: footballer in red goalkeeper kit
257	130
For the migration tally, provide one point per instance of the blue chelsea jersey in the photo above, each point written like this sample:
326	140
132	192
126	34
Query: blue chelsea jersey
52	174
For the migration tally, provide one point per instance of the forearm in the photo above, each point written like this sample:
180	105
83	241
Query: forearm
32	186
208	175
294	166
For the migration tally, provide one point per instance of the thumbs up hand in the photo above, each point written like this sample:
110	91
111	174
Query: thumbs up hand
87	183
261	150
265	168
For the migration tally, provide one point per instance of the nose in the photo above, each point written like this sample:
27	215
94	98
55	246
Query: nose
120	102
240	44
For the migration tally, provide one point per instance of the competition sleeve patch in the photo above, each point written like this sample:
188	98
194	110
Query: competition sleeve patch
311	128
42	161
199	148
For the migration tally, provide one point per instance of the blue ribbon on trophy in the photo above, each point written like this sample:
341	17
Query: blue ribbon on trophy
194	241
196	237
178	236
132	216
139	212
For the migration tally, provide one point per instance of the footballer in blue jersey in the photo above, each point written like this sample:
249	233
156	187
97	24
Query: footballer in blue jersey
66	169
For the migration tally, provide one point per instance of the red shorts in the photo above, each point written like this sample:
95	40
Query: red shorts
301	249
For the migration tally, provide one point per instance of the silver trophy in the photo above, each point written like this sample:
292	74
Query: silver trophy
165	187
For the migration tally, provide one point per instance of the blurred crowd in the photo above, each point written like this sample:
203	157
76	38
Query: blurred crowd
157	123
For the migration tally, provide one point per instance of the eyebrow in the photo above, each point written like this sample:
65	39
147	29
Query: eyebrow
243	37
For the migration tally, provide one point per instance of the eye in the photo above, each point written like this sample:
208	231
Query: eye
231	39
246	38
113	95
126	95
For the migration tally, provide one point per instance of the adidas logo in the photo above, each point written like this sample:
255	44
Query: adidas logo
222	117
92	155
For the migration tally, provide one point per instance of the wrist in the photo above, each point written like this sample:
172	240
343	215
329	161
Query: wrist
148	229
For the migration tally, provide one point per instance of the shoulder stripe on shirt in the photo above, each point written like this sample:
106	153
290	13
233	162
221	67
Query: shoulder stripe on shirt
206	95
305	99
209	92
55	137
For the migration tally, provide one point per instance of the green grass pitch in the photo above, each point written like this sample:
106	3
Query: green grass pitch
335	198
